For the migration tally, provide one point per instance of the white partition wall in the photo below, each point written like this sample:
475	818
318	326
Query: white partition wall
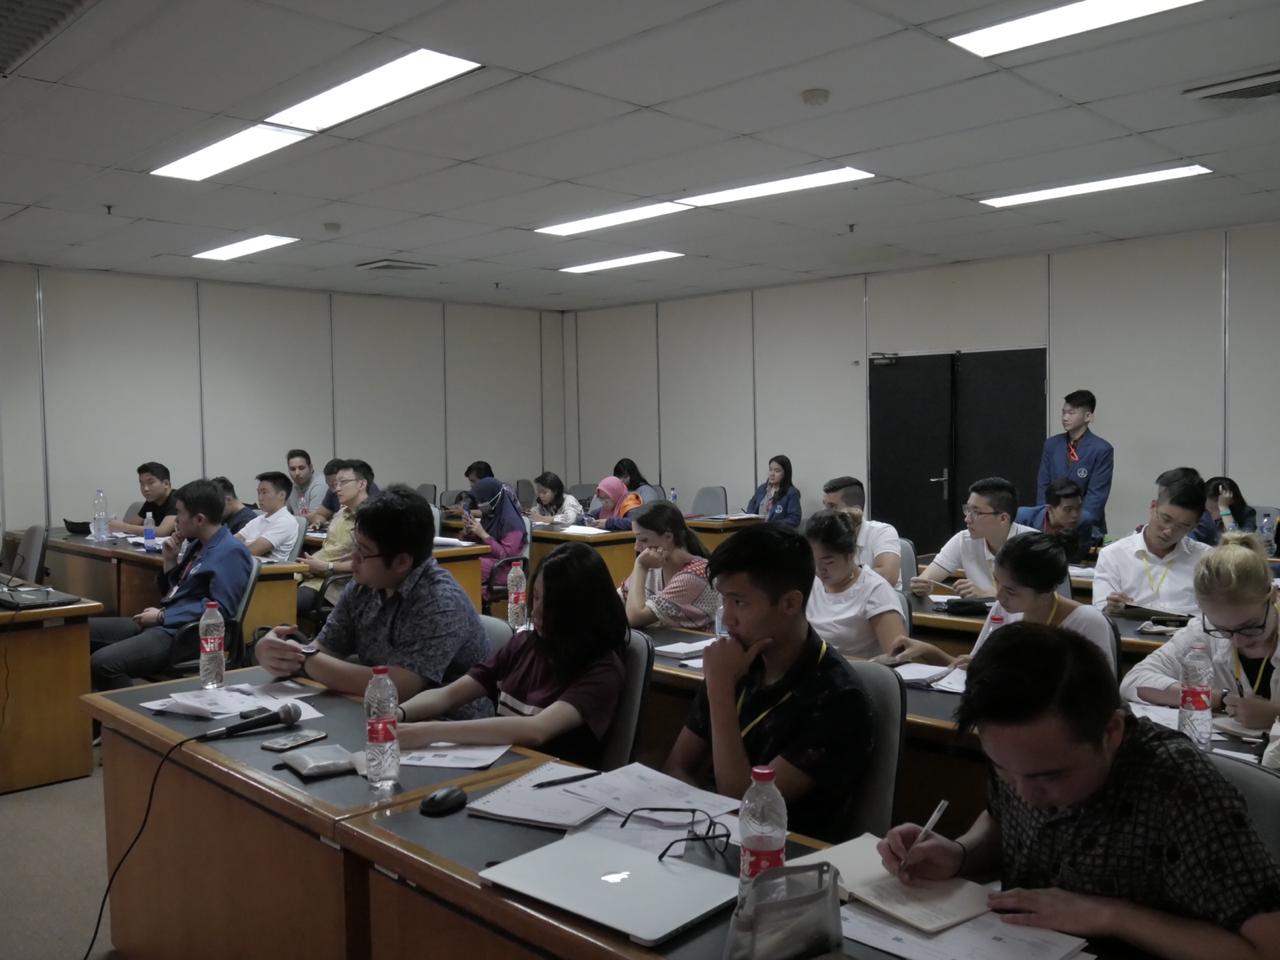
707	404
388	387
553	414
1253	456
811	382
572	451
21	436
121	385
618	390
493	391
267	377
1141	325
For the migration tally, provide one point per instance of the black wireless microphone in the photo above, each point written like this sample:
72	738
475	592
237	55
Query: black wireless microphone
288	715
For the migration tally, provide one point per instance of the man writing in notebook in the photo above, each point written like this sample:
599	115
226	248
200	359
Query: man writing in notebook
988	523
1100	824
774	694
1154	567
1082	456
878	546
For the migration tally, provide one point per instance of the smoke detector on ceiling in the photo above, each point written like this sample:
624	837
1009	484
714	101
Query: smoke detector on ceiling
389	264
1253	87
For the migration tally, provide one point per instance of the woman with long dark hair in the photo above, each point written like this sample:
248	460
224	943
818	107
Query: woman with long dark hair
668	584
627	471
1228	508
556	683
551	504
777	500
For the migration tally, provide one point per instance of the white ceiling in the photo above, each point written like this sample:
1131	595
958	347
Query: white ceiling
584	106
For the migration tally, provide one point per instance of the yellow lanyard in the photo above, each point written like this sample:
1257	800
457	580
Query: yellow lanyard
1146	568
743	696
1262	664
1053	611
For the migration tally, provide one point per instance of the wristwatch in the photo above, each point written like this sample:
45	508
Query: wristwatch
309	650
328	569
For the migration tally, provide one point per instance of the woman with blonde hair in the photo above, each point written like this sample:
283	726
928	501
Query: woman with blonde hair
1239	623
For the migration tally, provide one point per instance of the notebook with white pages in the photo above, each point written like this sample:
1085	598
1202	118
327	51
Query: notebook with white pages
583	530
924	676
519	801
684	650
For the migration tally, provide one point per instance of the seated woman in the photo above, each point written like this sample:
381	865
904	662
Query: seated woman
1028	570
615	504
668	584
852	608
551	504
500	527
555	684
776	499
1239	622
1227	507
627	471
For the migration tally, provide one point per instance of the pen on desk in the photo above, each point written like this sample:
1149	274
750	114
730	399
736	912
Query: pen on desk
932	822
562	780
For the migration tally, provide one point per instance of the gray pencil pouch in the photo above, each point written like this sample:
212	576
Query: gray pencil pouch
312	763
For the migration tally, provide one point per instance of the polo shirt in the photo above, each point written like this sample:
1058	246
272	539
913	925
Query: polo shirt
521	682
974	556
159	511
333	504
280	529
1161	583
313	493
875	538
844	619
337	543
818	718
1165	831
427	625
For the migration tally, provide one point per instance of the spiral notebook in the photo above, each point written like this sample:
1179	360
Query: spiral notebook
519	802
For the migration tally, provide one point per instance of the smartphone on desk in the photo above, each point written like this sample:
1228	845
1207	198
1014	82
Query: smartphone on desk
290	740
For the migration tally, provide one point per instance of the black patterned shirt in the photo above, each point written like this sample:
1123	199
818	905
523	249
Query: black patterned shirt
817	718
1166	831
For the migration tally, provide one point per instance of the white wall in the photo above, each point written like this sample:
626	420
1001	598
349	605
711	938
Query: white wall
21	433
553	382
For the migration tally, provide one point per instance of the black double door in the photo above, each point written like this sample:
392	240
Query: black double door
940	422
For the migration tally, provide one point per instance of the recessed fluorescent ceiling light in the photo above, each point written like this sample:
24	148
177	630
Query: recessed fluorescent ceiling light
807	182
1060	22
622	262
410	74
245	247
1096	186
234	150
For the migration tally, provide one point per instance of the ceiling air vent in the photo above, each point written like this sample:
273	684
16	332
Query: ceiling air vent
1253	87
388	264
27	25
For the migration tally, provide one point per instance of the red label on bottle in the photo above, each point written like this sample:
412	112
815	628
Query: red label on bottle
755	862
381	730
516	597
211	644
1196	698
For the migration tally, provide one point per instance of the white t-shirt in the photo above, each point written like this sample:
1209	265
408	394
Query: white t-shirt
844	619
974	556
875	538
1091	624
1161	583
280	529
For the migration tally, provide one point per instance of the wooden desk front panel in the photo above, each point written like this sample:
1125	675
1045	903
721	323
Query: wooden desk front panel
85	576
189	887
619	556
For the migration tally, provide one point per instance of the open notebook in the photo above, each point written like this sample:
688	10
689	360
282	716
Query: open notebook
519	802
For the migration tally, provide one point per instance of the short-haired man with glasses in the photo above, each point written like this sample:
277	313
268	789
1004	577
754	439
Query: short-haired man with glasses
1154	567
401	609
988	523
352	483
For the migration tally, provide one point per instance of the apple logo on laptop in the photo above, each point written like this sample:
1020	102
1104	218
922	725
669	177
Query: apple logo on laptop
616	877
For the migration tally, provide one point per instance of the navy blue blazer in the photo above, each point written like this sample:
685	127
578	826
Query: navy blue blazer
1092	472
785	510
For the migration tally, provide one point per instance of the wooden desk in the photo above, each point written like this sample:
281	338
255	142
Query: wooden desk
712	533
44	661
237	857
617	547
462	562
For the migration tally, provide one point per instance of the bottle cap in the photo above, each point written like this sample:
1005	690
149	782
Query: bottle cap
518	565
996	618
211	604
763	774
380	671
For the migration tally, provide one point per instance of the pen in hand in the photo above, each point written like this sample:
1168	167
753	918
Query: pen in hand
932	822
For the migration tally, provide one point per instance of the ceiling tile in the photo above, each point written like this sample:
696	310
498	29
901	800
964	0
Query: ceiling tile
1167	107
341	170
39	230
725	43
1229	133
569	253
8	209
30	179
88	36
555	203
456	186
924	11
309	224
328	256
831	209
488	246
1244	160
135	243
420	232
375	16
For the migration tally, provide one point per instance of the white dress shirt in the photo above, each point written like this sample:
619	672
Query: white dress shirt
974	556
1161	583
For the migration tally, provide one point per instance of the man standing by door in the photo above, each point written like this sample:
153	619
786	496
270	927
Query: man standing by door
1081	456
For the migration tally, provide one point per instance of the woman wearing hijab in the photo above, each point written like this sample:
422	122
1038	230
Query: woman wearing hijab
615	503
500	527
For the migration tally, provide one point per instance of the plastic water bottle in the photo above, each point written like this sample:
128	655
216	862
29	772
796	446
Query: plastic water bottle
517	599
149	533
100	531
762	828
381	744
673	496
213	646
1267	531
1195	718
720	617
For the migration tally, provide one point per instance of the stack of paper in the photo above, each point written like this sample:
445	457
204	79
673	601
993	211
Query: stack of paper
452	542
983	938
635	785
233	700
684	650
584	531
520	802
453	755
926	676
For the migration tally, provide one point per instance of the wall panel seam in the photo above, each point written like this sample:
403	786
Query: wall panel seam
204	467
1226	352
44	420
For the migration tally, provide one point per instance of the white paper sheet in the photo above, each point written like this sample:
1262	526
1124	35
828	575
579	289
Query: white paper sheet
684	648
553	806
1081	573
645	834
584	531
982	938
635	785
953	682
1165	716
227	702
918	673
452	542
695	664
453	755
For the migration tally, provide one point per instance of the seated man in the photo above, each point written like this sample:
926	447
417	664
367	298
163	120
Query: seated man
353	480
878	546
1154	567
234	513
1060	515
273	533
475	472
330	505
988	521
215	566
401	609
308	489
157	500
775	695
1100	824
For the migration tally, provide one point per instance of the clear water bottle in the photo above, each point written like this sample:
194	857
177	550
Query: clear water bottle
149	533
1267	532
517	598
1195	717
381	744
213	646
720	617
100	531
762	822
302	507
674	495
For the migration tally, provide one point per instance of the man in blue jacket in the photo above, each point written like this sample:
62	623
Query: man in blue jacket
1081	456
215	566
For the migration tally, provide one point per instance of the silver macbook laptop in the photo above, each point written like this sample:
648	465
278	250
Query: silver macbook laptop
622	887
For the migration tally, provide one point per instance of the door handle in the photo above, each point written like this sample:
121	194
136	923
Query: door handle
945	480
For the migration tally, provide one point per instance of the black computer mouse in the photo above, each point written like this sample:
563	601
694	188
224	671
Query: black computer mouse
443	802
